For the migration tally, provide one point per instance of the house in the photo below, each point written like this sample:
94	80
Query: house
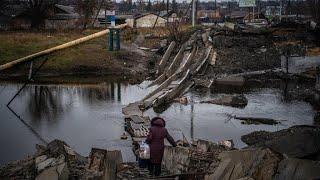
146	21
4	21
103	21
171	16
14	16
257	17
63	17
211	14
236	16
272	11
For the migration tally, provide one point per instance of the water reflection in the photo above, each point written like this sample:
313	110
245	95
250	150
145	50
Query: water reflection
45	102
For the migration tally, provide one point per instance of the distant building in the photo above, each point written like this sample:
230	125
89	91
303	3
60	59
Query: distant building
170	16
14	17
63	17
211	14
273	11
236	16
146	21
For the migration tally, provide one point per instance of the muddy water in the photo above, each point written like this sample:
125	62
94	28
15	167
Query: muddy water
88	116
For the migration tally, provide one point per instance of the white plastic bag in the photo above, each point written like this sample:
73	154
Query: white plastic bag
144	151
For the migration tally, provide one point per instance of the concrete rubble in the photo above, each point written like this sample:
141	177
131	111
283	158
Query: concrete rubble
270	155
295	142
57	161
229	100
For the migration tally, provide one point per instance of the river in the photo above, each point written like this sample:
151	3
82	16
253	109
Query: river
89	115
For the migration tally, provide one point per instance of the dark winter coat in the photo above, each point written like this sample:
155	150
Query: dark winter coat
155	140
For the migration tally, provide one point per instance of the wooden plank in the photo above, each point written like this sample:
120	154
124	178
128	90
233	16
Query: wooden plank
176	61
113	159
166	57
137	119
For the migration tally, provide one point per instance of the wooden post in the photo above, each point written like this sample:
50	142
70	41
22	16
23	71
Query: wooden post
117	39
30	71
111	40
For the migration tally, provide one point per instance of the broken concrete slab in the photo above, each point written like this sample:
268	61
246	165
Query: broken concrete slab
296	169
296	141
103	164
176	160
42	165
229	100
203	82
40	159
48	174
257	163
50	162
132	109
230	80
256	120
59	172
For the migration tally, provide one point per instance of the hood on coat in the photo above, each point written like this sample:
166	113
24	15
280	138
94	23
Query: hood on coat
157	121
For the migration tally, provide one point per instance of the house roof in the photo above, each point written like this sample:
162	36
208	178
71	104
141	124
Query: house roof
146	14
256	16
237	14
66	9
66	12
14	10
165	14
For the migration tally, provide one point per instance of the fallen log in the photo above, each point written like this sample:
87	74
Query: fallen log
57	48
253	120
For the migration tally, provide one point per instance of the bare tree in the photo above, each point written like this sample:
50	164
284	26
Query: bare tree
313	8
3	4
86	10
38	11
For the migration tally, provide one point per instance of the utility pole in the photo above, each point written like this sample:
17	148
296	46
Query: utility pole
193	13
280	9
215	5
167	10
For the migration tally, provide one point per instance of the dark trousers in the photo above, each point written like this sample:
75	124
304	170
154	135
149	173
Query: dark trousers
154	169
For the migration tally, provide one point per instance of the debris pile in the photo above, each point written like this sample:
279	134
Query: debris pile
58	161
296	141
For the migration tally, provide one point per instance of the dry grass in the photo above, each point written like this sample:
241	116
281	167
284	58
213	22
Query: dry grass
92	54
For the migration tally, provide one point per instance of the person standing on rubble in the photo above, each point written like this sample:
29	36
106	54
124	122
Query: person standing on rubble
155	139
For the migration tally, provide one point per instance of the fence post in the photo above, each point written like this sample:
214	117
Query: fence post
110	39
117	39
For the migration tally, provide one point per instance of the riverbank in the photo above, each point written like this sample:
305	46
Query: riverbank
90	58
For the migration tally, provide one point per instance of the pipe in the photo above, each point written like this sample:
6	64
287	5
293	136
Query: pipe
57	48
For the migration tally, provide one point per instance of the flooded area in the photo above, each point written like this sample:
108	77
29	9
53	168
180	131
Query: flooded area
89	115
